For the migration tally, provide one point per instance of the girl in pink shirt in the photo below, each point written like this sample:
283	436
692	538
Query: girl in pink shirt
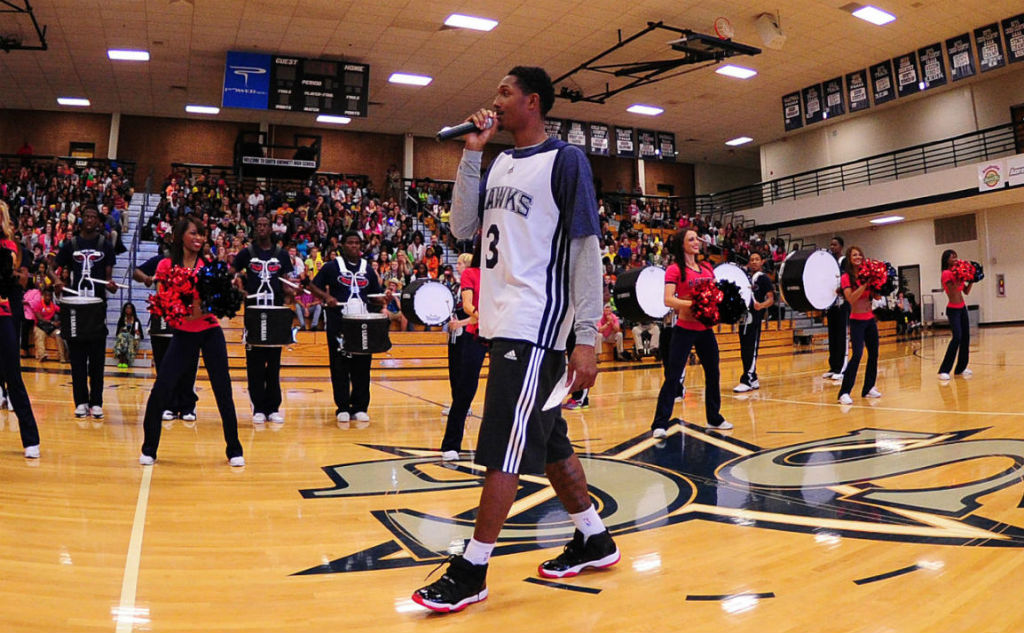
863	329
956	311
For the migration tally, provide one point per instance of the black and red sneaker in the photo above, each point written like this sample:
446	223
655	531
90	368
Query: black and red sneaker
596	552
462	584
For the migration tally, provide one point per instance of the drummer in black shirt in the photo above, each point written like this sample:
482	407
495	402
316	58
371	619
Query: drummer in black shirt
350	373
91	246
263	363
182	404
750	332
837	318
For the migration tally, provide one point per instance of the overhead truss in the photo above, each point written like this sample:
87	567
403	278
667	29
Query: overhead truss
13	41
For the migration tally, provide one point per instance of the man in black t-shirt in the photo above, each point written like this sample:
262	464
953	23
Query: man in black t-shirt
837	317
263	363
87	263
750	332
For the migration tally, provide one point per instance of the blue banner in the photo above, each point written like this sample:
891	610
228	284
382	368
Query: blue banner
246	81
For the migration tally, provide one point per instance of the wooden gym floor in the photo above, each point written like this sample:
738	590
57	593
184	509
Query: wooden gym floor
899	514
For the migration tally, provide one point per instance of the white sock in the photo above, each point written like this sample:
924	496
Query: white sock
588	522
478	553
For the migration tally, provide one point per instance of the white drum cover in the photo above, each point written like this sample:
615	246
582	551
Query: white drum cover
650	292
433	303
736	274
821	279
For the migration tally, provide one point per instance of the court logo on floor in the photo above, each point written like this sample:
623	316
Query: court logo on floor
871	484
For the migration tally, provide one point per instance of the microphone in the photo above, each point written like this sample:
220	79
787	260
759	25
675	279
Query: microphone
461	130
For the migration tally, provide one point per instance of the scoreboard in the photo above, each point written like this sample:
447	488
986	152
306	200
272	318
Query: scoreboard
295	84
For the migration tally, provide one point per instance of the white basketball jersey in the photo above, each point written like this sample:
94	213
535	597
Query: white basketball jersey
524	259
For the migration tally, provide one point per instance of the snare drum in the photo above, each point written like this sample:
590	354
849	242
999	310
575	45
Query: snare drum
640	294
159	327
83	318
427	302
365	333
268	326
729	271
809	280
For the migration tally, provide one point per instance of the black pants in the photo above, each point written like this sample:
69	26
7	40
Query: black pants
350	381
263	370
10	375
862	332
959	346
837	342
183	395
469	358
454	349
665	348
683	341
87	371
181	357
750	342
27	325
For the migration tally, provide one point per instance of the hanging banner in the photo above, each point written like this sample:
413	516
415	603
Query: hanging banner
791	115
624	143
961	59
598	145
554	128
1015	170
576	134
881	83
667	145
857	91
1013	33
933	68
812	104
990	48
647	141
907	79
833	95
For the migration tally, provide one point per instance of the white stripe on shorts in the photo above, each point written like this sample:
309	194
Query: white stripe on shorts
527	398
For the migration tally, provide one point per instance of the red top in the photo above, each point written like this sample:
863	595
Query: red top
860	310
5	304
947	280
191	324
685	290
471	281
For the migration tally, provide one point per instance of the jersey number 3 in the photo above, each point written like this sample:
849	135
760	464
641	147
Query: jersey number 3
492	248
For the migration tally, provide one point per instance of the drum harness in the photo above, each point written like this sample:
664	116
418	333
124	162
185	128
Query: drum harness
354	304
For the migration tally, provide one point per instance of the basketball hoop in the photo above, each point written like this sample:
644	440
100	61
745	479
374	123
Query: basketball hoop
723	28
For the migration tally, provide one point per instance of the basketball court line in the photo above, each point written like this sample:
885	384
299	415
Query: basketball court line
126	614
880	408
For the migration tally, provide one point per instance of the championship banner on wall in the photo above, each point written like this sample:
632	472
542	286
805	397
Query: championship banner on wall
1013	32
857	91
667	145
933	68
624	143
907	80
991	175
647	141
598	145
811	97
1015	170
576	134
990	48
833	95
791	115
881	82
961	60
554	128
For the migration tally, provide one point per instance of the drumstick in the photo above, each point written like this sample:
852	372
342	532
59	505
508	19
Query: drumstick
292	284
74	292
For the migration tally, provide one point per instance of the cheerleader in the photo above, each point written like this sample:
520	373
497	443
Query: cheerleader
10	320
199	332
956	311
863	329
688	333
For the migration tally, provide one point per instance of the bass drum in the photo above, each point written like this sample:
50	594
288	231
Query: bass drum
640	294
809	280
734	273
268	326
427	302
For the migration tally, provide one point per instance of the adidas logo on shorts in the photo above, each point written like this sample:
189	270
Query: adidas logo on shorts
511	355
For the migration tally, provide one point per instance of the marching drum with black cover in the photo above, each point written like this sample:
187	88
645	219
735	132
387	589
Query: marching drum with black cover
83	318
729	271
159	327
363	333
640	294
427	302
809	280
268	325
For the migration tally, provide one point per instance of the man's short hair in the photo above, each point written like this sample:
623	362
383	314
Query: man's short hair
533	79
839	239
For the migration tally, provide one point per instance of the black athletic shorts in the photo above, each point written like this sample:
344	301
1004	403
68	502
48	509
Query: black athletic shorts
515	435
